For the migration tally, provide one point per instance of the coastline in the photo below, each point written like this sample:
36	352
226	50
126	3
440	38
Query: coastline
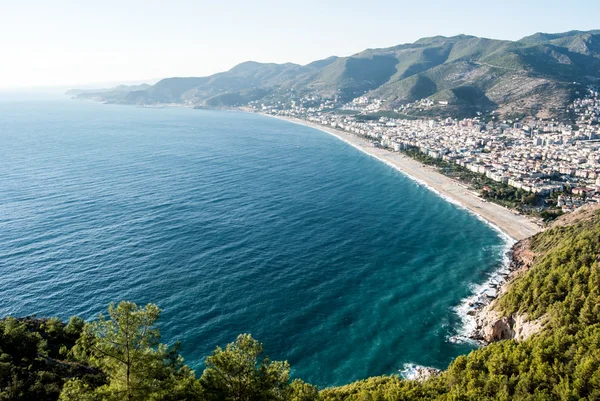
511	226
514	227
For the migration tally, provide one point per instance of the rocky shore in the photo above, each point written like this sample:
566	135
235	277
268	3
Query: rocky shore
490	324
485	324
418	373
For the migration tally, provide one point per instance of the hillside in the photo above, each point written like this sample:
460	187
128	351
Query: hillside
42	358
107	93
535	76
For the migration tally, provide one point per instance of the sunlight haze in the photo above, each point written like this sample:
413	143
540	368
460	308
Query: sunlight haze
66	43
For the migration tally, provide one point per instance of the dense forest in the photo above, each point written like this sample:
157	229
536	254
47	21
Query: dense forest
120	357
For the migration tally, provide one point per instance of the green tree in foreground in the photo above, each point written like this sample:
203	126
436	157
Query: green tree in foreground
126	347
237	373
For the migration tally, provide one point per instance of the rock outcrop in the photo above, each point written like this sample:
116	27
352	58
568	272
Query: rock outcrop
420	373
424	373
492	325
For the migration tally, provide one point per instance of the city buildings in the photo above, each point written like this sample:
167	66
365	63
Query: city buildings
537	156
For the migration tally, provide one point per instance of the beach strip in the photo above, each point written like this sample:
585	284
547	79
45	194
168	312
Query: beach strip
515	226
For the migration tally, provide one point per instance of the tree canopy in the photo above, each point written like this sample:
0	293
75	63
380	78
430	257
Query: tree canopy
127	348
237	373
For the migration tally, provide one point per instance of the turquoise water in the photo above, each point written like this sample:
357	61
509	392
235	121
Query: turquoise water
232	223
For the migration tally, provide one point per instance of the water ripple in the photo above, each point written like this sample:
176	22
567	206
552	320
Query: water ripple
233	223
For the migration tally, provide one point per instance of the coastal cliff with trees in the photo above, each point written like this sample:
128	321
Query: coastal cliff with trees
120	356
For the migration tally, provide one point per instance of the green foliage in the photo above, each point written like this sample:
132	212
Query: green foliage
560	363
300	391
549	215
33	364
382	388
377	115
126	347
75	326
554	366
566	278
237	374
121	357
508	196
496	192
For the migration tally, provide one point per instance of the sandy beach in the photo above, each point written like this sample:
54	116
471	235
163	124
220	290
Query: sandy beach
515	226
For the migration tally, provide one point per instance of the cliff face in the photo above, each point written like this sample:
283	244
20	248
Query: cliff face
492	325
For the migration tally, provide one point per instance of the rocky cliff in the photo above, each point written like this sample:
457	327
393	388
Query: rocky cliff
492	324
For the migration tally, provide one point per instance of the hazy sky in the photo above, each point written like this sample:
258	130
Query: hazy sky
61	42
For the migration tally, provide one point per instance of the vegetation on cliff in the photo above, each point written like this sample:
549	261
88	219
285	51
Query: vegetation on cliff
34	361
120	357
566	278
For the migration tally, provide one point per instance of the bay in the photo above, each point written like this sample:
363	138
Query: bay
232	223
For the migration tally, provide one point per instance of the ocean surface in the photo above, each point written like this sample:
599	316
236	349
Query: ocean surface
233	223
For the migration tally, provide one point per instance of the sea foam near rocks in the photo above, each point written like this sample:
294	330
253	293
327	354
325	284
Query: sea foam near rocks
481	296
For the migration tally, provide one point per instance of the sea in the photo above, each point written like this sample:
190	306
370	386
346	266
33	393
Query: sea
233	223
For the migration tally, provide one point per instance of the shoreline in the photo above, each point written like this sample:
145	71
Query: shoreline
506	222
513	226
472	309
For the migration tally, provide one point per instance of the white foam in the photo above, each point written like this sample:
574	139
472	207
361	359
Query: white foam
480	293
411	371
481	296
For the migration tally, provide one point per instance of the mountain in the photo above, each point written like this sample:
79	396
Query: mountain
106	93
536	75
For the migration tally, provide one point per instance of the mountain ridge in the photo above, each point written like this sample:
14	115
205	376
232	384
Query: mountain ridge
536	75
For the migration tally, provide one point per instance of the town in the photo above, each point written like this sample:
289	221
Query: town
545	167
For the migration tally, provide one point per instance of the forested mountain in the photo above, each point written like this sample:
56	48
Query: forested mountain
120	357
534	75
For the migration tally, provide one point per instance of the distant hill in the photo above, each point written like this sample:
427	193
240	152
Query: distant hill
116	93
535	75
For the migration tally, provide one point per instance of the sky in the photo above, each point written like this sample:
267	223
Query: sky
70	43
